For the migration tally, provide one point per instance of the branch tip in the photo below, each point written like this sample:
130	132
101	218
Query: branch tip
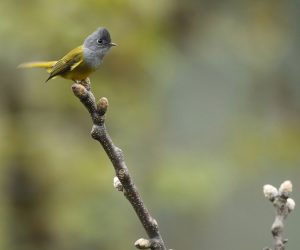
102	105
270	192
290	203
286	188
79	90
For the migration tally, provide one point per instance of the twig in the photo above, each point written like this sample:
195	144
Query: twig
123	181
283	205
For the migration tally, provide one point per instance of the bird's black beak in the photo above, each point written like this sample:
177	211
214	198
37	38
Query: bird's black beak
113	44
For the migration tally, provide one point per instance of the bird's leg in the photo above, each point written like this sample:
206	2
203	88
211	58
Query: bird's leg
86	83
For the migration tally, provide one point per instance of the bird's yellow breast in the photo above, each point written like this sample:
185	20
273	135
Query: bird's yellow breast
81	72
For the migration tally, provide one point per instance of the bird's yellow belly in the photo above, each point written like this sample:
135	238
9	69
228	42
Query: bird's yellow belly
81	72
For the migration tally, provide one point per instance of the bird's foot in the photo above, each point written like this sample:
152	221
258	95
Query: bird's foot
85	83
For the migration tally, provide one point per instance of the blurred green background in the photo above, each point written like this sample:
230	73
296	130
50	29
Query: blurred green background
204	101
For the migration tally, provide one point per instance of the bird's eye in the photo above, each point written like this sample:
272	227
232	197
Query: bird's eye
100	41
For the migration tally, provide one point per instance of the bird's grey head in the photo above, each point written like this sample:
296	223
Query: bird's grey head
99	41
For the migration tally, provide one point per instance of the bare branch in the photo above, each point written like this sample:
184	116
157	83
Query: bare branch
122	181
283	205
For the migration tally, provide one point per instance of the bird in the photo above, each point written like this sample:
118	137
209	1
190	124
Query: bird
81	61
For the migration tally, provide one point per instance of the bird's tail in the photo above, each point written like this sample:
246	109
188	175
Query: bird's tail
45	65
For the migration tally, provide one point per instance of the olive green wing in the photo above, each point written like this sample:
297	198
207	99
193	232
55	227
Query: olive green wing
68	63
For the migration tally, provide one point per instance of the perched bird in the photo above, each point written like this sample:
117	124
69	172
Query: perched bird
80	62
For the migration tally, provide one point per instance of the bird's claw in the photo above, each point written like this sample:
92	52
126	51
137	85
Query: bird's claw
85	83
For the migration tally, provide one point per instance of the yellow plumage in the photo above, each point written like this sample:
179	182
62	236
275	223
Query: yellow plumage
46	65
71	66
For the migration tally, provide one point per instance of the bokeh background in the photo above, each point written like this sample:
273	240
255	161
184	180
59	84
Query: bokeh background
204	101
